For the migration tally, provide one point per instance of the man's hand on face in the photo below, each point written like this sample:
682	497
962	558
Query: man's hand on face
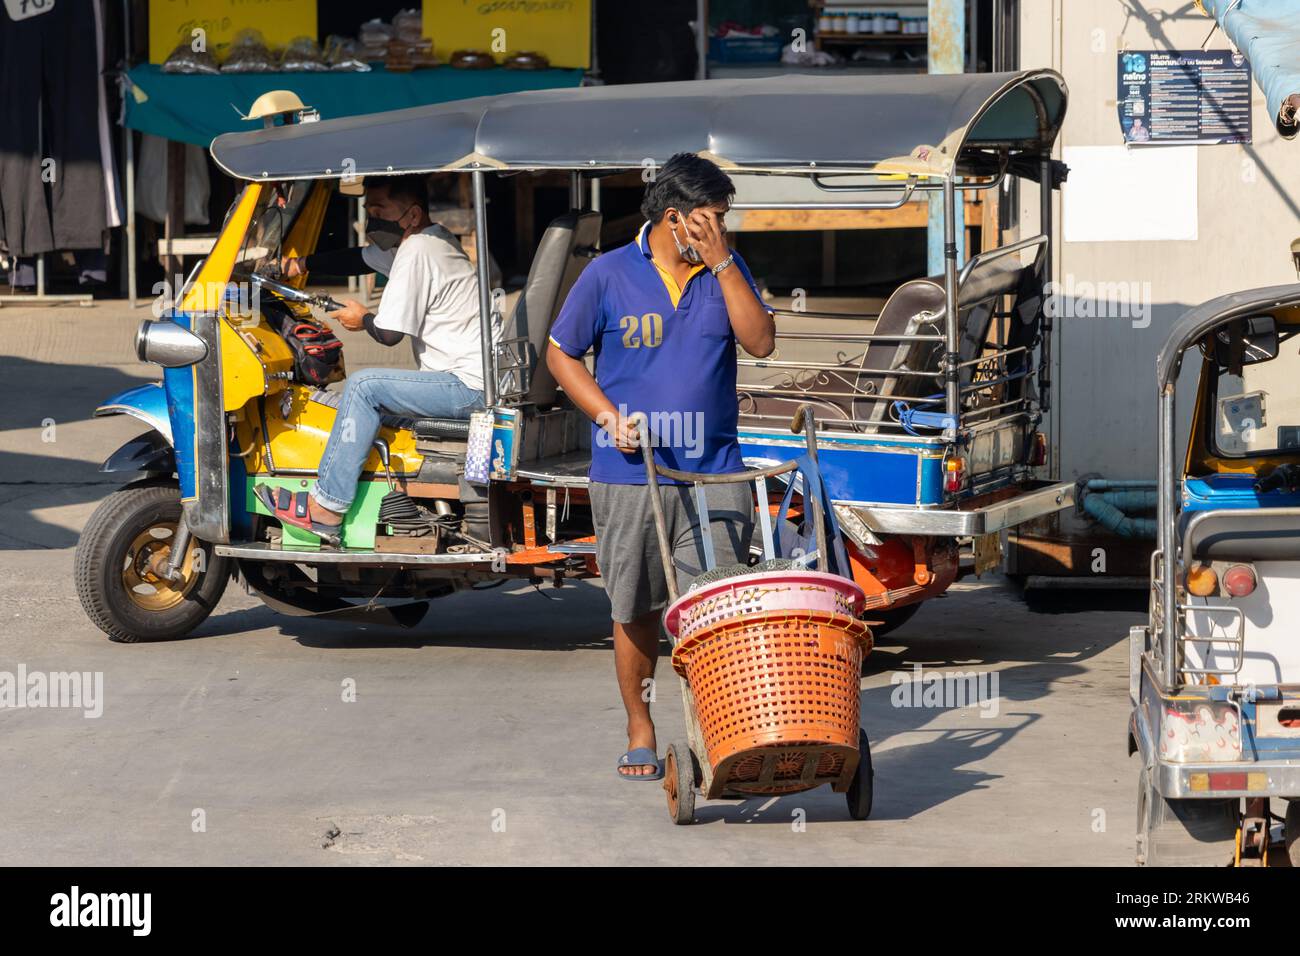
352	316
705	231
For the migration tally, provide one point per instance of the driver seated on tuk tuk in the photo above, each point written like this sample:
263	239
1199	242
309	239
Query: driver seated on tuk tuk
432	297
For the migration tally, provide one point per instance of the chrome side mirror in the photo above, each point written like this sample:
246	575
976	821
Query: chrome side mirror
167	344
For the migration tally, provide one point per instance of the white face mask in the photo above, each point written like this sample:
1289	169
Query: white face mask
686	251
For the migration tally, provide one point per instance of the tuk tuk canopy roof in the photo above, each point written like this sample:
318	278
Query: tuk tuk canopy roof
1196	323
922	124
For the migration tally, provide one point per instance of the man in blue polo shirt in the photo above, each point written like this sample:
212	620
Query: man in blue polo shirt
663	315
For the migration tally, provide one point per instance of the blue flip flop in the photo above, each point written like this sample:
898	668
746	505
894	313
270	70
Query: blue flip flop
640	757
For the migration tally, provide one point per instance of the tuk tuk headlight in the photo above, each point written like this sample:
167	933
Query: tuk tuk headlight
167	344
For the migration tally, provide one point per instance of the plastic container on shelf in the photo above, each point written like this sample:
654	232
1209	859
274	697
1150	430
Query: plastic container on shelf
742	48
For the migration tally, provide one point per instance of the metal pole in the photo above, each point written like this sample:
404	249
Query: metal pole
484	289
702	39
131	237
129	151
1049	332
1165	506
354	237
952	333
575	190
946	54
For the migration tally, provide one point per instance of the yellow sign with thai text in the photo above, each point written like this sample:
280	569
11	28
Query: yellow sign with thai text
559	29
214	23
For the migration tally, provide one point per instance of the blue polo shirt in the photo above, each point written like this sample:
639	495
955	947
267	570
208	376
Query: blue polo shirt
664	351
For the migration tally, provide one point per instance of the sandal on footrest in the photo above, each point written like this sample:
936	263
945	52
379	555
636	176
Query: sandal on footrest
291	508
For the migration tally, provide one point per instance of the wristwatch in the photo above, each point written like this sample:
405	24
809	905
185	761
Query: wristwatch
723	264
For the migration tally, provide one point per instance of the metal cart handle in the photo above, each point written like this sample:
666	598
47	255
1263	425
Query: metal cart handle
804	421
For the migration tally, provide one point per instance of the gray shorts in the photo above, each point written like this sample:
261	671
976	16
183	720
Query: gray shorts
627	548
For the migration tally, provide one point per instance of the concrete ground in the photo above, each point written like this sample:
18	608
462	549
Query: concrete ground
489	733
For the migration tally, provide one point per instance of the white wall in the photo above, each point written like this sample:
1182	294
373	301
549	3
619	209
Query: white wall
1249	211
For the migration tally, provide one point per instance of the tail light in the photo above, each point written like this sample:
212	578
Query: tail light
1202	581
1227	780
1239	580
1038	450
954	474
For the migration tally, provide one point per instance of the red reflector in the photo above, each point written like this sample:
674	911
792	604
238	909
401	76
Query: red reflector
1239	580
1228	781
1038	452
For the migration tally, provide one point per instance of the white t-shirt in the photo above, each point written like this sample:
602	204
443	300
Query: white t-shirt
432	296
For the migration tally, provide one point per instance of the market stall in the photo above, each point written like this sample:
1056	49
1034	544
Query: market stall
209	60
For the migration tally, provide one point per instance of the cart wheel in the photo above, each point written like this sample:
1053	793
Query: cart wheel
861	789
679	783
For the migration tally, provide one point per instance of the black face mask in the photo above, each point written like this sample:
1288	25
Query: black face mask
384	233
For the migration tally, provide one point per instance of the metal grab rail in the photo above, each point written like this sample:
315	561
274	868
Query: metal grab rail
1237	642
908	188
840	367
999	252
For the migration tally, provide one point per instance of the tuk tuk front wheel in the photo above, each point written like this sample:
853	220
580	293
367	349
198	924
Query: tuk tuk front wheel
123	549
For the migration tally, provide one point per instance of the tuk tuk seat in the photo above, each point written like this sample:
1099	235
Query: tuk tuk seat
567	246
889	368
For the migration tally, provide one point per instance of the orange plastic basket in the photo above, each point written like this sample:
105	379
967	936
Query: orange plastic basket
777	679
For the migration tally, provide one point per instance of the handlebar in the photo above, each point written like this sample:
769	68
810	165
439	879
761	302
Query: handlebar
317	300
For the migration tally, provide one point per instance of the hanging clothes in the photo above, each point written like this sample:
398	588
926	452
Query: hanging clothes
55	160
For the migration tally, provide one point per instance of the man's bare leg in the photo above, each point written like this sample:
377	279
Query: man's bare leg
636	650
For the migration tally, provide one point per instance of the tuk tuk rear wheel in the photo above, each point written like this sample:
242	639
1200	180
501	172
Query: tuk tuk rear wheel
1291	831
1183	832
123	547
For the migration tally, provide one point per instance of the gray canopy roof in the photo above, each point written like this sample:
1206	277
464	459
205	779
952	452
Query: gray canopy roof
908	123
1195	323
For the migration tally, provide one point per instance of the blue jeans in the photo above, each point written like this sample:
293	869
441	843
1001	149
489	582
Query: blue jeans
367	397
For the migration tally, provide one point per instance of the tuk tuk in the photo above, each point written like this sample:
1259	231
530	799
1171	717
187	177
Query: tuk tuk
929	412
1215	673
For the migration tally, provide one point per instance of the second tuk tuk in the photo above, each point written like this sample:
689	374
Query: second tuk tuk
930	410
1215	672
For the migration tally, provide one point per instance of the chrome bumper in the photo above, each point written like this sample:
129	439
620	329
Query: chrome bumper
1034	501
1172	780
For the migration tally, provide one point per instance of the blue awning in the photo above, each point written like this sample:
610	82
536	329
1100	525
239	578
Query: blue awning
1267	32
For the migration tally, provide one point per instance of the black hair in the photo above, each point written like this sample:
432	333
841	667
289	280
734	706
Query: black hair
686	182
412	188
